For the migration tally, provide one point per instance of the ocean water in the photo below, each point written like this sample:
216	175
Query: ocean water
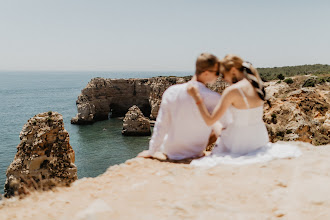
97	146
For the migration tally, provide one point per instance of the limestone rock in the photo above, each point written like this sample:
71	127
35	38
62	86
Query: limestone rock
298	113
44	157
135	124
102	98
157	88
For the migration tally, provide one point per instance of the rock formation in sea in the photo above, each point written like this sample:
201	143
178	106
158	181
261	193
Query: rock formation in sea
298	113
135	124
44	157
102	98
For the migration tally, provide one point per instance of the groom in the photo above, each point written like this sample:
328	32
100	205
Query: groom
180	131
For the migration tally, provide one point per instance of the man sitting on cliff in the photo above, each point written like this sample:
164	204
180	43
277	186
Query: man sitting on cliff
180	131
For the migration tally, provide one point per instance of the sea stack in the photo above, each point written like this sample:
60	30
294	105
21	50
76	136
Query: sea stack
135	124
44	157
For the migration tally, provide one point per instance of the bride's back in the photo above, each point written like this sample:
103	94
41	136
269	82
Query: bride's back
249	92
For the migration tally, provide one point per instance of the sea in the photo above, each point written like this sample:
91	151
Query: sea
24	94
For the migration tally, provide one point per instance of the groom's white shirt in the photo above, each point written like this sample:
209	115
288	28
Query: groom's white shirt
180	131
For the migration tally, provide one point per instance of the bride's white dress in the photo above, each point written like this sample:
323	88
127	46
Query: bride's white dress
245	140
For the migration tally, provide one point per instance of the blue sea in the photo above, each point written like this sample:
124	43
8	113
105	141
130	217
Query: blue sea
97	146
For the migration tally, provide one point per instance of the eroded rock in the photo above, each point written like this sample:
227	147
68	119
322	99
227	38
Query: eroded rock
298	113
102	98
44	157
135	124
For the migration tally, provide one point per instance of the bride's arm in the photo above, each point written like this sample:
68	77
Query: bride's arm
219	110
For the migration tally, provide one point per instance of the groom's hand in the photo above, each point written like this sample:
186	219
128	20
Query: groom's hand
145	154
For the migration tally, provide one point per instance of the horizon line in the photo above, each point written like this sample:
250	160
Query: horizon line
143	70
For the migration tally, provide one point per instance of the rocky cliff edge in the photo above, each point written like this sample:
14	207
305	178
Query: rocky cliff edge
149	189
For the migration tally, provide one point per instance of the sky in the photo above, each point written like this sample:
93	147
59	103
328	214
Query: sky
152	35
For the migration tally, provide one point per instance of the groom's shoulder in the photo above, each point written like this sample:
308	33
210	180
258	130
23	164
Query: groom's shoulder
210	92
176	88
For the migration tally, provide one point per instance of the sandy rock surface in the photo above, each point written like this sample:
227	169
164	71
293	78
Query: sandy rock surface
149	189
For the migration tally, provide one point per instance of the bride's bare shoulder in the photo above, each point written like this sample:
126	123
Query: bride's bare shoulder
231	91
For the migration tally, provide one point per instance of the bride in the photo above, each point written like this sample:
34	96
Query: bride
244	98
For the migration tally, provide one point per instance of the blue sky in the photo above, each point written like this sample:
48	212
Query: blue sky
99	35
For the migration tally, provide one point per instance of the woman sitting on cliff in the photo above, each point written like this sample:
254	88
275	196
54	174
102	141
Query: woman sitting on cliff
244	98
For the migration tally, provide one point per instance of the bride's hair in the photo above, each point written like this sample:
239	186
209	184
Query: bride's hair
249	71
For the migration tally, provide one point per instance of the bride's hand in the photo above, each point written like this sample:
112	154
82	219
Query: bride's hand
192	90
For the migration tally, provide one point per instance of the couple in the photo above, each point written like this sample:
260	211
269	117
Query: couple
190	113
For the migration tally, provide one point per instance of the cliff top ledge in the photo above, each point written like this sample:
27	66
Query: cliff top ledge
149	189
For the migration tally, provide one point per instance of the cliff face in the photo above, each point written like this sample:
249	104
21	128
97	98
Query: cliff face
298	113
44	156
104	97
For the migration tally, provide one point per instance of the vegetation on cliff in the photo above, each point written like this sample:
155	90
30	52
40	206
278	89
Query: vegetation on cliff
273	73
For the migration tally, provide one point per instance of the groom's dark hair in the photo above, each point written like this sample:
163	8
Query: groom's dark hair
204	62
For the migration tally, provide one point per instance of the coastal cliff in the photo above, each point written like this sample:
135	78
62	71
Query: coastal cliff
298	113
44	157
102	98
140	188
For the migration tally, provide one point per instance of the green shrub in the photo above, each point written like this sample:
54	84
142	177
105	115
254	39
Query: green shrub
323	80
288	81
280	76
309	82
288	71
